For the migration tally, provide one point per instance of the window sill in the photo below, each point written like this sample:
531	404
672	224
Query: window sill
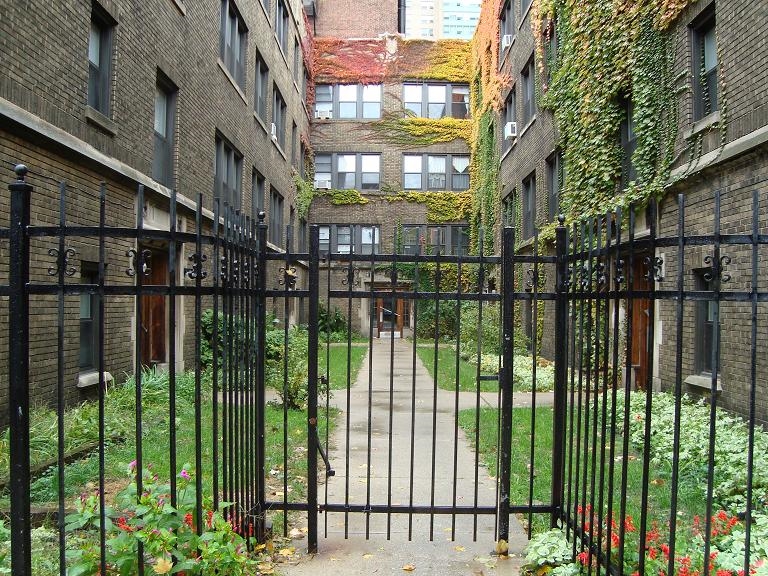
91	378
506	52
703	381
232	81
180	6
276	144
706	123
282	51
266	13
261	123
508	150
527	126
98	119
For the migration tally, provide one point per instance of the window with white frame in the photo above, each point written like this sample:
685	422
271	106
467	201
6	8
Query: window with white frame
233	42
528	81
429	239
165	120
437	171
436	100
100	60
279	111
348	171
348	101
281	25
349	238
228	173
262	88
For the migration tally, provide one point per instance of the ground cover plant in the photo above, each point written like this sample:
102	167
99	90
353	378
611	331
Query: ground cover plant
724	527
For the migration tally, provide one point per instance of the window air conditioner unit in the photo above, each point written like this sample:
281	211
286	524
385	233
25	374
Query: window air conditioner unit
323	114
510	130
274	132
506	41
323	184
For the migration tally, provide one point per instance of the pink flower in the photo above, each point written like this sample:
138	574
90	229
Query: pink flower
184	474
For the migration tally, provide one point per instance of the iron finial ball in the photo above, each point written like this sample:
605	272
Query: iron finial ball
21	172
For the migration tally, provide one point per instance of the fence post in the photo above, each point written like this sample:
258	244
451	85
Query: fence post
261	336
561	370
18	373
505	382
312	446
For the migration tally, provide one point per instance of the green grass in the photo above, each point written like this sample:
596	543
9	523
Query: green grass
335	359
658	490
446	370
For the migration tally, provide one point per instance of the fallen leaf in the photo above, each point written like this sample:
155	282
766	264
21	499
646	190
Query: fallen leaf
459	548
502	547
366	556
296	534
265	568
409	567
286	552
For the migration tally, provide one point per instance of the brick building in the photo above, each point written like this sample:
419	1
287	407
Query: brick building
719	145
202	97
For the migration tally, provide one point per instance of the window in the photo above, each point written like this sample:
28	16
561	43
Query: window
439	171
89	325
510	115
294	146
262	87
507	27
706	328
165	114
524	5
233	41
228	173
436	100
303	235
508	209
296	60
348	171
554	182
423	239
281	25
348	101
550	51
528	77
257	191
349	238
278	117
704	60
275	217
529	205
100	60
628	143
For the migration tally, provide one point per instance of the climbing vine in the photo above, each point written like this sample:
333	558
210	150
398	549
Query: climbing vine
414	132
441	206
608	53
344	197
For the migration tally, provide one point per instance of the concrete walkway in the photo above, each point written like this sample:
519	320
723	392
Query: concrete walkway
385	473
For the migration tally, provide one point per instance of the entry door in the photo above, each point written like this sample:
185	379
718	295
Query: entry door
389	315
153	320
641	322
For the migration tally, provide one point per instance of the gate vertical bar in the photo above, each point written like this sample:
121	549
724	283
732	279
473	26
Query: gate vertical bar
505	450
261	321
312	438
561	372
18	373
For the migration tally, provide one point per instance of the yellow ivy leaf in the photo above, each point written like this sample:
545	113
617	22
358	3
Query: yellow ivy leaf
409	567
162	566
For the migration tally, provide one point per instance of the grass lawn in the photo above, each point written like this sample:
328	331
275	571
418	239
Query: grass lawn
334	360
446	370
658	495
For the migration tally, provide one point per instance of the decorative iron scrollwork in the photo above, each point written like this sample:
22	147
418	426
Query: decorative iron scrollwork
532	279
653	268
245	270
599	271
717	269
62	262
584	274
568	280
196	270
352	278
618	275
138	260
289	277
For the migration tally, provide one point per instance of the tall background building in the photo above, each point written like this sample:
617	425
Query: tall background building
441	18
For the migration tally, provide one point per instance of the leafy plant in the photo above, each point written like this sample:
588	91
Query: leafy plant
548	549
168	534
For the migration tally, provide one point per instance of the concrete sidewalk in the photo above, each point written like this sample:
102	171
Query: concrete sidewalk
381	471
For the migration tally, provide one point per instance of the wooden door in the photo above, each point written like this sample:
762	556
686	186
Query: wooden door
153	320
641	325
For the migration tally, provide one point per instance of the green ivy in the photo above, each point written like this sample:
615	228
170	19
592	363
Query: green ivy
441	206
305	192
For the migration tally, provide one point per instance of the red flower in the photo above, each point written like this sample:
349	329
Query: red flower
583	557
629	525
188	520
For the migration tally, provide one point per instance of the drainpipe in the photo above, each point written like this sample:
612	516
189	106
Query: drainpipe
401	16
